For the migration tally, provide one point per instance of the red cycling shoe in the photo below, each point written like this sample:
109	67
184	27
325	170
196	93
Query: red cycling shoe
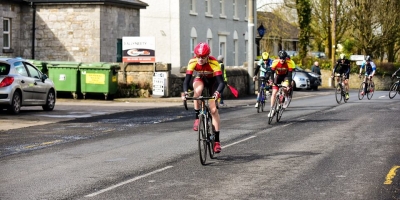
196	125
217	147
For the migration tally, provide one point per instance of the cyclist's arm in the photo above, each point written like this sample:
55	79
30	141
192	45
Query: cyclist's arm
362	66
373	68
186	82
220	83
257	69
395	72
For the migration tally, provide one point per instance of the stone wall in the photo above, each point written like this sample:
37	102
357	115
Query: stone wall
381	82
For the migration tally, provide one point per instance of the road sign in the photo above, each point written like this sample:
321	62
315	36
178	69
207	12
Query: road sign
160	80
357	57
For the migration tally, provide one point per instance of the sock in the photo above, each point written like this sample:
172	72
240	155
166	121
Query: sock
216	136
197	113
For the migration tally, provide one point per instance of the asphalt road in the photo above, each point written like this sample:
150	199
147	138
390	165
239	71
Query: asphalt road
320	150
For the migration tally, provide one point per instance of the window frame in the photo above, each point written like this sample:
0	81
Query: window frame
8	33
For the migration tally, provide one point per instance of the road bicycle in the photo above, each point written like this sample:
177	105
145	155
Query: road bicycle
278	104
340	91
369	91
206	138
395	88
262	95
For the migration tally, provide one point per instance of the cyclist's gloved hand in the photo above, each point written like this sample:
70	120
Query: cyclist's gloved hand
216	95
184	95
254	78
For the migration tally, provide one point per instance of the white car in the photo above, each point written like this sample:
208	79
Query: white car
22	84
301	81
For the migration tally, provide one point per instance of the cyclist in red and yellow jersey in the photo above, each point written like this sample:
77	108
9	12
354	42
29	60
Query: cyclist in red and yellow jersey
209	75
282	67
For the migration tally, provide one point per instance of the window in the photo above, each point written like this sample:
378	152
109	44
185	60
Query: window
222	8
235	55
208	7
209	39
245	10
33	71
20	68
235	9
193	7
192	45
6	33
222	48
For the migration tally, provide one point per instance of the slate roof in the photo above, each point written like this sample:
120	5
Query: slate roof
277	27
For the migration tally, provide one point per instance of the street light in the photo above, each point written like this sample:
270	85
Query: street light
261	31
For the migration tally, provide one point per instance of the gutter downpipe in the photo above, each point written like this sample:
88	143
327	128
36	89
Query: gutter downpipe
33	30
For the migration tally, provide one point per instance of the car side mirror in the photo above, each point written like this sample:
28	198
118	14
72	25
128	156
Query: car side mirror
44	77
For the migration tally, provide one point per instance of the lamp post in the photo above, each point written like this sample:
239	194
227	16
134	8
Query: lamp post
250	58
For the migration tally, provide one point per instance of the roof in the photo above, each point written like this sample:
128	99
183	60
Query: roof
131	3
276	27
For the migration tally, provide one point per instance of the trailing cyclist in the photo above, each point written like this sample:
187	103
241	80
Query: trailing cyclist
283	67
264	66
370	69
209	75
394	74
342	67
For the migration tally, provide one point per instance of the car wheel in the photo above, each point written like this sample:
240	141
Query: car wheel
15	106
50	101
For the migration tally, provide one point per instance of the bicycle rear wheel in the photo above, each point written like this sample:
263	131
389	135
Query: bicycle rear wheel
202	140
338	93
370	90
393	90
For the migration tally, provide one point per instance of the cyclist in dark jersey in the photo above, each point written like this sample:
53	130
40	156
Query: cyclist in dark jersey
342	67
209	75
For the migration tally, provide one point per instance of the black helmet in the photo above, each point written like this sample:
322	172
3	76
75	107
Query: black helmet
282	54
368	58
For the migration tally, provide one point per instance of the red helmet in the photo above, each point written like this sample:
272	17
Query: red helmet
202	49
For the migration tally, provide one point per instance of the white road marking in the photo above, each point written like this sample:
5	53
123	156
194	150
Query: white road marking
238	142
128	181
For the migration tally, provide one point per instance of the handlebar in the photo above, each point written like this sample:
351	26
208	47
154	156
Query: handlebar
201	98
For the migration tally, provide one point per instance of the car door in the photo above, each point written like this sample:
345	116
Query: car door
25	82
40	88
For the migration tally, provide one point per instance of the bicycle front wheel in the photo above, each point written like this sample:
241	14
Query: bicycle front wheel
393	90
275	106
338	93
202	139
211	138
361	92
279	113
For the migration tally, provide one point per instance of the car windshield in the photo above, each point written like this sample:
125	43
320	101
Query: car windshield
4	68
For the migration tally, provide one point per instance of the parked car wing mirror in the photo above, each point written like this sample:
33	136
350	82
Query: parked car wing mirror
44	77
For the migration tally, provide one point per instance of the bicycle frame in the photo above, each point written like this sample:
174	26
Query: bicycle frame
394	88
278	104
206	135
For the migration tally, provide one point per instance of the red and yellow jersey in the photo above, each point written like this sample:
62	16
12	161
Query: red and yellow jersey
284	68
210	69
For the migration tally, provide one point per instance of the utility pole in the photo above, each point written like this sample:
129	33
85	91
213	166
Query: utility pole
250	54
333	37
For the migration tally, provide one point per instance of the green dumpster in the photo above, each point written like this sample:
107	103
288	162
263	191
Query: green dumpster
65	76
41	65
100	77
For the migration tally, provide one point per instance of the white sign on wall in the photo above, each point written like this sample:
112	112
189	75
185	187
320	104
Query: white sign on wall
159	83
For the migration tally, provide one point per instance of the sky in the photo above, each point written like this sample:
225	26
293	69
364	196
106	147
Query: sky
267	5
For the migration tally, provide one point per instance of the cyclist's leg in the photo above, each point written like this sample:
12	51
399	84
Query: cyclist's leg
198	86
215	115
346	85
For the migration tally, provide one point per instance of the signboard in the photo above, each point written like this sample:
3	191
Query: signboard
138	49
357	57
159	83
